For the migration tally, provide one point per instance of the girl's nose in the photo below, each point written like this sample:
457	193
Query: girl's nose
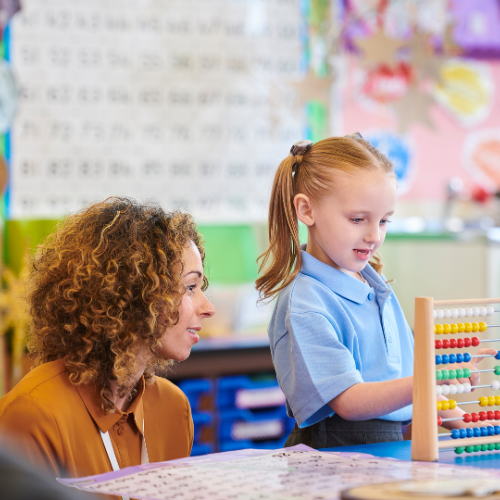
373	235
206	309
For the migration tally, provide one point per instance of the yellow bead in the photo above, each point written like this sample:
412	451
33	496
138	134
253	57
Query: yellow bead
445	405
475	327
491	400
454	328
467	327
497	400
482	326
452	403
483	401
446	328
461	327
438	329
439	405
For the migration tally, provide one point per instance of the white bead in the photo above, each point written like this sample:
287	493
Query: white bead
467	388
453	389
495	385
439	314
490	310
461	313
439	390
447	313
483	311
454	313
475	311
468	312
446	390
460	388
434	313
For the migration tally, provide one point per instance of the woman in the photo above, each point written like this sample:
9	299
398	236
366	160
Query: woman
115	294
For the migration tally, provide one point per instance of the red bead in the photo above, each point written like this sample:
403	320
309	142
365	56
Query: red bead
446	344
483	415
475	341
467	417
460	343
467	342
475	417
440	421
491	415
439	344
453	343
497	415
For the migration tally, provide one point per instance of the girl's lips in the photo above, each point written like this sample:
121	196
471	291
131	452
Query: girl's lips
362	254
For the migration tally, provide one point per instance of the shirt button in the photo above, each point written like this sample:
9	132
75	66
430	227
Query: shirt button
120	431
370	296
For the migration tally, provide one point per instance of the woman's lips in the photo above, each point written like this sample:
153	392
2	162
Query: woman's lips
362	254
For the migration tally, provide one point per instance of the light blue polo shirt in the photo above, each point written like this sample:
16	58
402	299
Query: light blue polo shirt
330	331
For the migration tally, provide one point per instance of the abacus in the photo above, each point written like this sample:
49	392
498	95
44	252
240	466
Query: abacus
429	339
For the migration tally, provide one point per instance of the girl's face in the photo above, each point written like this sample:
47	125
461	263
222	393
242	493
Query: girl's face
347	226
178	340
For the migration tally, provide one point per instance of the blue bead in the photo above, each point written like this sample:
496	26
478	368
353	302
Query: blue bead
460	358
455	434
439	359
491	430
470	432
497	429
446	359
467	357
484	431
453	358
477	432
463	433
497	355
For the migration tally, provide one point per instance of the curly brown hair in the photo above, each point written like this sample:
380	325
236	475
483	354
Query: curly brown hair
104	286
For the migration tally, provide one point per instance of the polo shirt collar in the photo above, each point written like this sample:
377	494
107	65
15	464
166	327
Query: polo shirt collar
341	283
92	399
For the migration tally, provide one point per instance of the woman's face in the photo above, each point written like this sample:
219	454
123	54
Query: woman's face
178	340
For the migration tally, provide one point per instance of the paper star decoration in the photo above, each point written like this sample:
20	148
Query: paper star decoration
413	108
313	87
379	49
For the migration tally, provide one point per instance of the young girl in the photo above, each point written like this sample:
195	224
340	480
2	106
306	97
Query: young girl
341	346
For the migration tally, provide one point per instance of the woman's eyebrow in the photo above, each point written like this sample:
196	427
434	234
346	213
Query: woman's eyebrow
200	275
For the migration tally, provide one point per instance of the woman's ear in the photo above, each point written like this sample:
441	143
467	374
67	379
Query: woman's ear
303	209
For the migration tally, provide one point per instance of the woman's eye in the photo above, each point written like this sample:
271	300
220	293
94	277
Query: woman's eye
191	288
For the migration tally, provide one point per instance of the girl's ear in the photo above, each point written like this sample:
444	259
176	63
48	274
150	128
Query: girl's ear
303	209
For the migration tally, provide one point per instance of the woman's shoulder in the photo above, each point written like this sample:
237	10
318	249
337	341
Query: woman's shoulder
161	387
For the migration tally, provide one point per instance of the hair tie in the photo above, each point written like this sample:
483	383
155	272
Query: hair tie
356	135
300	147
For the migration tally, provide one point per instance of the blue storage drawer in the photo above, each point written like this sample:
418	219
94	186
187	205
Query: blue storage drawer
259	445
237	425
244	393
198	392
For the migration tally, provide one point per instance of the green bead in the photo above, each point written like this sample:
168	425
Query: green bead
469	449
439	375
491	446
497	446
497	370
445	374
452	374
460	373
477	447
459	450
484	447
466	372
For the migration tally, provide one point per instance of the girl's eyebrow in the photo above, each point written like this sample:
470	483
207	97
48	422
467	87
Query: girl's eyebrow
200	275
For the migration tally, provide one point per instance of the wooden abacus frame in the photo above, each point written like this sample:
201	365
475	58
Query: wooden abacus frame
425	445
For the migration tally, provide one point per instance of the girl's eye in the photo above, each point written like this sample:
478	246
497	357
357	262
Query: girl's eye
384	222
356	221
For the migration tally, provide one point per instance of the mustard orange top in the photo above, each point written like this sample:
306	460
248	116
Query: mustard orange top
56	424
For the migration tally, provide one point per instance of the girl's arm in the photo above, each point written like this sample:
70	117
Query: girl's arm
373	399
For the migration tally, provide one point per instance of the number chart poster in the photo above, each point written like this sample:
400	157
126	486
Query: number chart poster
187	102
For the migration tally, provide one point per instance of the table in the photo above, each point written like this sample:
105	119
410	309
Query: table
402	451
